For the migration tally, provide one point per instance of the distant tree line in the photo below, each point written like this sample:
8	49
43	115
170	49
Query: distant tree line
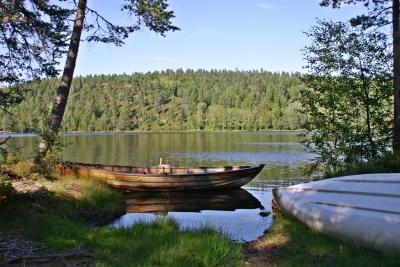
168	100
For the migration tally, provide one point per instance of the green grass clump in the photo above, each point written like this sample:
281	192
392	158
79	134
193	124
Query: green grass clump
388	163
159	243
298	245
88	199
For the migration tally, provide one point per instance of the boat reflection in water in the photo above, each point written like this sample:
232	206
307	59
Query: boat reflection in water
236	212
196	201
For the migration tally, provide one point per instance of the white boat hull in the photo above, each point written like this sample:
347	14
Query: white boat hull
362	208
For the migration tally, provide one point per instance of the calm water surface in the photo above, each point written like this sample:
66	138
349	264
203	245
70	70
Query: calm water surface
235	212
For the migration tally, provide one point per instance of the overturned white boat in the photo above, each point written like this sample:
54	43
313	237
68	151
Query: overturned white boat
361	208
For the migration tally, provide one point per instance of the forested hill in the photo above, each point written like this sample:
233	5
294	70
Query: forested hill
170	100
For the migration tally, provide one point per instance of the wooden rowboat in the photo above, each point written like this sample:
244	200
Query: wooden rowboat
224	200
163	177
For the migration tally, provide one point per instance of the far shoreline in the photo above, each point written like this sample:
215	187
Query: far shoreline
99	133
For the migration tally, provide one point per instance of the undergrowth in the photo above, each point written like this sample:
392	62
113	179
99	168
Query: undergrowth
62	212
388	163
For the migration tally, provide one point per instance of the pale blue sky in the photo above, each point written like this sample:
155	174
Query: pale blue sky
215	34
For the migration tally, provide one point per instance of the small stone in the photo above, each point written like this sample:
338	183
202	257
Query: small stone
265	213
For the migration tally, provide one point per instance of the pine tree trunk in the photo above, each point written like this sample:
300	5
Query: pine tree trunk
396	74
60	100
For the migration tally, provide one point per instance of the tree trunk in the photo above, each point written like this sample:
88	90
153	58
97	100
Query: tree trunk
60	100
396	74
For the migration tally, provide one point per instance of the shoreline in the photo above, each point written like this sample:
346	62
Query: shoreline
78	133
64	215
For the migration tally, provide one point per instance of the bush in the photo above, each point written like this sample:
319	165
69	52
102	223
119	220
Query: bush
6	190
22	168
388	163
349	90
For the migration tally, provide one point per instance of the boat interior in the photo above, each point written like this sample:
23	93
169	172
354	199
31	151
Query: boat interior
160	169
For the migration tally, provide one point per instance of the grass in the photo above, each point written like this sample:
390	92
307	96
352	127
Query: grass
160	243
291	243
87	199
60	215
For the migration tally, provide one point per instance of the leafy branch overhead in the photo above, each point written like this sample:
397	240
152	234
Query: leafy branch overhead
379	12
151	14
34	34
33	38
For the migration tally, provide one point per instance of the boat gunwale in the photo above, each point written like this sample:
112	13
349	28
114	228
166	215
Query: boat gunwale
87	167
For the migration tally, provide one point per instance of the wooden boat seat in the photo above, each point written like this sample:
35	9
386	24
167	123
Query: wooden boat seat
166	169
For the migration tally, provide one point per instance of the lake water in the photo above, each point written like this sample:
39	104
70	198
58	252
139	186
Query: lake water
240	213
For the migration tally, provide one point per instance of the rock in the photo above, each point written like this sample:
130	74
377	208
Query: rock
265	213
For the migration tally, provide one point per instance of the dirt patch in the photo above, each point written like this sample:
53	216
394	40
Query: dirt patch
21	184
25	185
73	187
258	254
264	251
16	251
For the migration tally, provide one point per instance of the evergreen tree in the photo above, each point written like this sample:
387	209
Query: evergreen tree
181	100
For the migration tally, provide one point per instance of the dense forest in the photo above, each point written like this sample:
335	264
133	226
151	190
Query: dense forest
168	100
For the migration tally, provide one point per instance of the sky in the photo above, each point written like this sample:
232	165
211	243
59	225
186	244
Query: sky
215	34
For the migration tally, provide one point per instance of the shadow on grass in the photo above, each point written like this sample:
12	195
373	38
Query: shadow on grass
291	243
61	218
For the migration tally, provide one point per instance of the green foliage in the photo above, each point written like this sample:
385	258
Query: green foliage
153	14
378	15
3	148
347	102
6	190
388	163
35	33
20	168
170	100
33	39
45	159
9	97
